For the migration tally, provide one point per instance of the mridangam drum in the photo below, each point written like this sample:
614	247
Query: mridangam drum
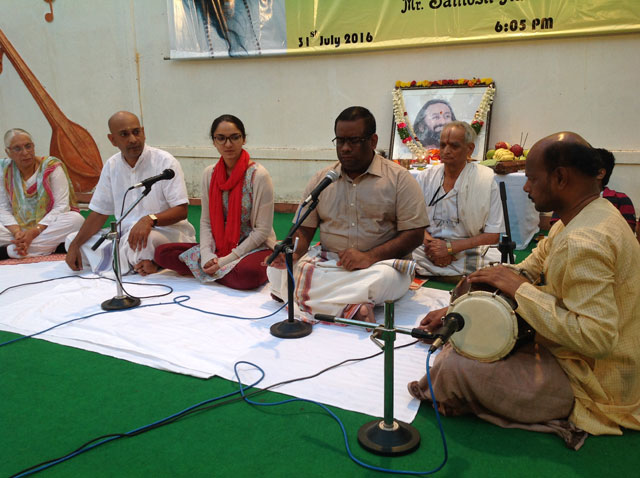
491	329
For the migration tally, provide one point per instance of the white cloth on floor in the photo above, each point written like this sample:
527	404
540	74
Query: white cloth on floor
173	338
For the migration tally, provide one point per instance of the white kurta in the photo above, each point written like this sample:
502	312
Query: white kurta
472	207
116	178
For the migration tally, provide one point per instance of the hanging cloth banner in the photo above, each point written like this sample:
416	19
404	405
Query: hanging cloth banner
246	28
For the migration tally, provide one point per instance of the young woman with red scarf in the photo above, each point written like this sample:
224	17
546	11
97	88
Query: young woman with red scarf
236	226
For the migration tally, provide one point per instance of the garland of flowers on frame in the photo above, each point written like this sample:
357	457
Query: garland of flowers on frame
404	126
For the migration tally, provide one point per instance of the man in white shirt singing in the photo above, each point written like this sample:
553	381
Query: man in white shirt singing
159	218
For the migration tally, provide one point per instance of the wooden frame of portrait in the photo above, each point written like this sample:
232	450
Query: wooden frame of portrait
443	103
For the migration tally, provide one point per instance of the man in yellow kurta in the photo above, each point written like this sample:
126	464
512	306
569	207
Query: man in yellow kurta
584	305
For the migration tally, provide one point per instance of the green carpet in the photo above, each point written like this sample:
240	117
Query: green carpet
56	398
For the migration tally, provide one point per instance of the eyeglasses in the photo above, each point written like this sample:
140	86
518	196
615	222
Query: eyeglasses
19	149
353	140
222	139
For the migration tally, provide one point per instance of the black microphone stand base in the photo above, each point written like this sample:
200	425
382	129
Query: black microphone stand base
120	303
400	439
291	329
506	248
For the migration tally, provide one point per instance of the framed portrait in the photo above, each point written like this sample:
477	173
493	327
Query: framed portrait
422	112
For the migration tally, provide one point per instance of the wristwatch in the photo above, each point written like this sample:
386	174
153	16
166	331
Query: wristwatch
449	248
154	218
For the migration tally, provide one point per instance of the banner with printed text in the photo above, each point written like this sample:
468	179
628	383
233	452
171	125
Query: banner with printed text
246	28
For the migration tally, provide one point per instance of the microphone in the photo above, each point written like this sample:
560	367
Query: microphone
147	183
415	332
453	322
322	185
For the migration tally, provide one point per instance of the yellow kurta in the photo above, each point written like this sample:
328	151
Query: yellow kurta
588	314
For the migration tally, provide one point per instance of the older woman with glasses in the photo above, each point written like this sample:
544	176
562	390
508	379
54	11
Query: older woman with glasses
37	201
236	226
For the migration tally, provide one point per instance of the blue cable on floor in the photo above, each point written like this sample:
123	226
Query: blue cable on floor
180	300
344	431
242	389
129	433
73	320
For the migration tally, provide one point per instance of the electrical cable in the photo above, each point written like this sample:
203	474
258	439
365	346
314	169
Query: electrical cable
342	427
88	446
186	297
199	407
46	280
178	300
80	318
120	282
142	296
113	258
92	278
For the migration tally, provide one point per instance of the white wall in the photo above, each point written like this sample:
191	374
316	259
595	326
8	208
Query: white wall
86	59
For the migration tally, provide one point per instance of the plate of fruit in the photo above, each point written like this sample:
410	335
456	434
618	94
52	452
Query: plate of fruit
505	158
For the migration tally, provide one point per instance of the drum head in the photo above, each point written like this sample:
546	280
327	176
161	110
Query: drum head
490	326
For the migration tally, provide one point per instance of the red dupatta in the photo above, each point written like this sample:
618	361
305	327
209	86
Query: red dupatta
227	235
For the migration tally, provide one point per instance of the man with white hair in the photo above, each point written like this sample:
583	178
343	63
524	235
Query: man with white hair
465	213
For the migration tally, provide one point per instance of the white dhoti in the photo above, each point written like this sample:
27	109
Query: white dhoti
323	287
464	262
46	242
100	260
470	208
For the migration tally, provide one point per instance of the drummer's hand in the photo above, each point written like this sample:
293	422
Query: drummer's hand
433	320
504	278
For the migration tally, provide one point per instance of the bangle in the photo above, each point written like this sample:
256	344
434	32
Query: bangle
449	248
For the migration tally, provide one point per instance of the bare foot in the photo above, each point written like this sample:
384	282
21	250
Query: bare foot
365	313
416	392
146	267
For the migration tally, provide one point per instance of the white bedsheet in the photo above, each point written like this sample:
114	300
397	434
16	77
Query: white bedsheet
173	338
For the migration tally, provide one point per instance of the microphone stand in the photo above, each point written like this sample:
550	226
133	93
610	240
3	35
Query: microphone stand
506	245
290	328
387	437
121	300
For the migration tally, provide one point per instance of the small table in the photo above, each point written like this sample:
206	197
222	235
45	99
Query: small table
523	217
